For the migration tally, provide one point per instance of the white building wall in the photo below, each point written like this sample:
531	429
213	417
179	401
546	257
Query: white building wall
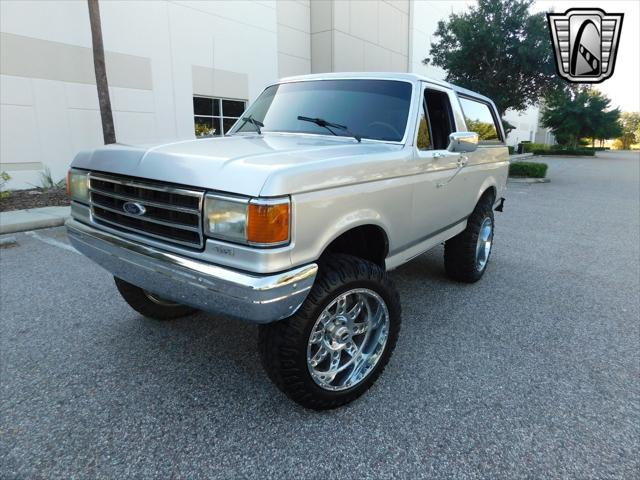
49	110
294	37
362	35
425	15
525	123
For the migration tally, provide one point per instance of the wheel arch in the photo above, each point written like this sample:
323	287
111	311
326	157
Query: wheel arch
489	187
366	239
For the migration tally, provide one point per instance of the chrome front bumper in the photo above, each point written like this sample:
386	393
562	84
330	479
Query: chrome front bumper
215	289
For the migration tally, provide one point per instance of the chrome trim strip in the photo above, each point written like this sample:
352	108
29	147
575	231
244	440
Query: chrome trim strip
209	287
148	186
227	197
149	203
142	217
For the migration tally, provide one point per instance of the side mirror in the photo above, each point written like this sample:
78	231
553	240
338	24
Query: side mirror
462	142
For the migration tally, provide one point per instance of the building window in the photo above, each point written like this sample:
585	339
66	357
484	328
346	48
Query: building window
215	116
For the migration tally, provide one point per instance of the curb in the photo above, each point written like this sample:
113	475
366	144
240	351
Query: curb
32	219
528	180
520	156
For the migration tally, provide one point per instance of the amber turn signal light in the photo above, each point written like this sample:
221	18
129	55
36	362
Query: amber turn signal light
268	224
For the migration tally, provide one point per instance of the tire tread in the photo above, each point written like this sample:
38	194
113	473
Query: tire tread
280	342
460	251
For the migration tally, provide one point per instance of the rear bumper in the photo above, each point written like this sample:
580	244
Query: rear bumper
215	289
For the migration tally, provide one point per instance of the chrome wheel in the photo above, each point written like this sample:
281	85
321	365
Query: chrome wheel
483	247
159	300
348	339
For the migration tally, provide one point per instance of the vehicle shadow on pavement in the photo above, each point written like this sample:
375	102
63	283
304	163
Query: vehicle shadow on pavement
209	356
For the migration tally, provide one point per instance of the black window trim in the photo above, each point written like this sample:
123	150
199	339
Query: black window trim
496	120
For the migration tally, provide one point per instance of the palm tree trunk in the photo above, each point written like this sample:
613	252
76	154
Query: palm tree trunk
108	129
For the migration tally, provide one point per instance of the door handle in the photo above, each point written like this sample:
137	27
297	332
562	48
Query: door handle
438	155
462	161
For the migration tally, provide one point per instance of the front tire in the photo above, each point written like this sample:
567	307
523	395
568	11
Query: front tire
149	304
340	340
467	254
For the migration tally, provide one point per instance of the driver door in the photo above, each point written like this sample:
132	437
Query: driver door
434	197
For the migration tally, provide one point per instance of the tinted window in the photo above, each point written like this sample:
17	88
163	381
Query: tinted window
375	109
479	119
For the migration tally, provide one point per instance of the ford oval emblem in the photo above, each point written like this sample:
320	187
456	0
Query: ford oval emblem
133	208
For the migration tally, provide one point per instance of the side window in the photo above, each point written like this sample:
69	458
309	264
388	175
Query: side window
479	119
424	131
436	121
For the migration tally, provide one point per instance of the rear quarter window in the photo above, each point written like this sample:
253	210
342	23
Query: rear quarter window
480	119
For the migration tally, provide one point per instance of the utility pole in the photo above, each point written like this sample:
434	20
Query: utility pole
108	128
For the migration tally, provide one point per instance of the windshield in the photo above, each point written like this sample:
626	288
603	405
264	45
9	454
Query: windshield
373	109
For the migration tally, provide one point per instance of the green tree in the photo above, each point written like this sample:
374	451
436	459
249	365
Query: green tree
630	123
602	123
575	114
498	49
609	127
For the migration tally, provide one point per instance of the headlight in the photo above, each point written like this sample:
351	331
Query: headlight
261	222
78	185
226	217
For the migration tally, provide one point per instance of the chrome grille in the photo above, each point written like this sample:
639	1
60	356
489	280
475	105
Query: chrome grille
171	214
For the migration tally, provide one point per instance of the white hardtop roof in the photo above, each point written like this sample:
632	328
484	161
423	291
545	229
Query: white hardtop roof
407	77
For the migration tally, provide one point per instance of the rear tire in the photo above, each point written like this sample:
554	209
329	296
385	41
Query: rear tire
466	255
149	304
338	343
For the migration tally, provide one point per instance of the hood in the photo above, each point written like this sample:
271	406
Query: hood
253	165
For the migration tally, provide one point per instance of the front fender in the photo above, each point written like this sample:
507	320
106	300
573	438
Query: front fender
321	217
489	182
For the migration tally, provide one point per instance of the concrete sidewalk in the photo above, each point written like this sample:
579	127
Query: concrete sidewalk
32	219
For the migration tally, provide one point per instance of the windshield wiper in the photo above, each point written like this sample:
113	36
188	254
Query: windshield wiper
321	122
256	123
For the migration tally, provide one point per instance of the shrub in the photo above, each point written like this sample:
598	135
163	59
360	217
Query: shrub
528	169
530	147
48	183
511	150
566	151
4	178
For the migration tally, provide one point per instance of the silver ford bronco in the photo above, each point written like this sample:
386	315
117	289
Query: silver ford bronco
294	217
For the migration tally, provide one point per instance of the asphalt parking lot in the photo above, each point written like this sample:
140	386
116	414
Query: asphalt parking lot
534	372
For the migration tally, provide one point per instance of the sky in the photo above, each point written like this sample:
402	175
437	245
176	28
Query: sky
623	88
